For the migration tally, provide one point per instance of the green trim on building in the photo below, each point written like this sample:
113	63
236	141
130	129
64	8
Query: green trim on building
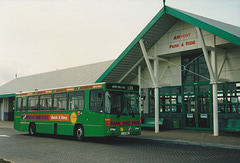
7	95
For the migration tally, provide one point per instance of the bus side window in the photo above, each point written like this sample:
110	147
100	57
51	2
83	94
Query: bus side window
33	103
19	104
60	101
76	100
45	102
24	104
96	101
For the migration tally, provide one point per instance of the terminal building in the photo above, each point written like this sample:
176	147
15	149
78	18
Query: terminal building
187	67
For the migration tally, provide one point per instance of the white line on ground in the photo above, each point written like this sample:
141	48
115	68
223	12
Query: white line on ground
7	136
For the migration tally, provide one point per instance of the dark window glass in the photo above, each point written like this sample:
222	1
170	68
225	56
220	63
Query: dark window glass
176	108
188	89
60	101
201	59
33	103
24	104
19	104
151	104
204	88
151	92
188	79
220	87
203	77
189	102
232	86
194	69
76	101
46	102
232	108
176	90
96	101
203	104
238	86
221	108
164	91
203	68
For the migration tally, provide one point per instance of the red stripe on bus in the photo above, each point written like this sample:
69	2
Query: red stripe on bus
123	123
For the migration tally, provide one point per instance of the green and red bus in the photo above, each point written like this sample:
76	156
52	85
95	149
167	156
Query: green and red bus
97	110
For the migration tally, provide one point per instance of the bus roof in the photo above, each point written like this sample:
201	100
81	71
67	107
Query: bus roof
115	86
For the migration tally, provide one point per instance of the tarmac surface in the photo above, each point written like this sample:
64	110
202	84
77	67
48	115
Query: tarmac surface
229	140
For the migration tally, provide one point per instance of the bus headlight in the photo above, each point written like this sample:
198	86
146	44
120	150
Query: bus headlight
112	129
136	128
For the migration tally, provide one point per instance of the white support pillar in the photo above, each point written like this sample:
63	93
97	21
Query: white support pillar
139	83
215	110
214	87
154	77
156	110
2	109
212	68
156	72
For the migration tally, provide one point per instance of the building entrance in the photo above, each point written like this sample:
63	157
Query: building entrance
196	92
197	111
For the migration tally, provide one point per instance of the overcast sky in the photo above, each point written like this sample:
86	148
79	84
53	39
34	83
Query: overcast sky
38	36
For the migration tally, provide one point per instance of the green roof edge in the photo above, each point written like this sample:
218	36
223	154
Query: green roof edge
132	44
182	16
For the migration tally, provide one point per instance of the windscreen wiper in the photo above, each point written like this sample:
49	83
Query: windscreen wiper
119	115
133	115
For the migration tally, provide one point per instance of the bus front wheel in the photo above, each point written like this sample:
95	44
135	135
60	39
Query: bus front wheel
79	132
32	129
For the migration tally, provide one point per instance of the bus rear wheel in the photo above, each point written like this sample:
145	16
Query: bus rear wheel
32	129
79	132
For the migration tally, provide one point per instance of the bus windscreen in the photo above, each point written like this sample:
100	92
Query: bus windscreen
121	103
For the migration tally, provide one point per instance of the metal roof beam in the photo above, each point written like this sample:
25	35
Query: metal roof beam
217	49
221	67
163	72
139	61
158	58
204	49
165	60
150	69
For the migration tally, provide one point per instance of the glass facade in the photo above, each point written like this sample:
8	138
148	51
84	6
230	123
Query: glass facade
229	98
193	99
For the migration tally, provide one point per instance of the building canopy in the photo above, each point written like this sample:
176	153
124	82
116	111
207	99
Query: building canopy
156	29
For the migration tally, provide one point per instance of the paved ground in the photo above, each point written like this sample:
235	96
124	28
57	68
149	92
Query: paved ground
19	147
205	138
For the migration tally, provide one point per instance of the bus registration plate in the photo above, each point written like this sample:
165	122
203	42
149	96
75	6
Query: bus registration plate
125	133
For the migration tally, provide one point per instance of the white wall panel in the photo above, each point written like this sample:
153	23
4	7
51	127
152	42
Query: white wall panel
181	34
231	68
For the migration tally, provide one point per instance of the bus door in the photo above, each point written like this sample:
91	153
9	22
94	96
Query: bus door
95	117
